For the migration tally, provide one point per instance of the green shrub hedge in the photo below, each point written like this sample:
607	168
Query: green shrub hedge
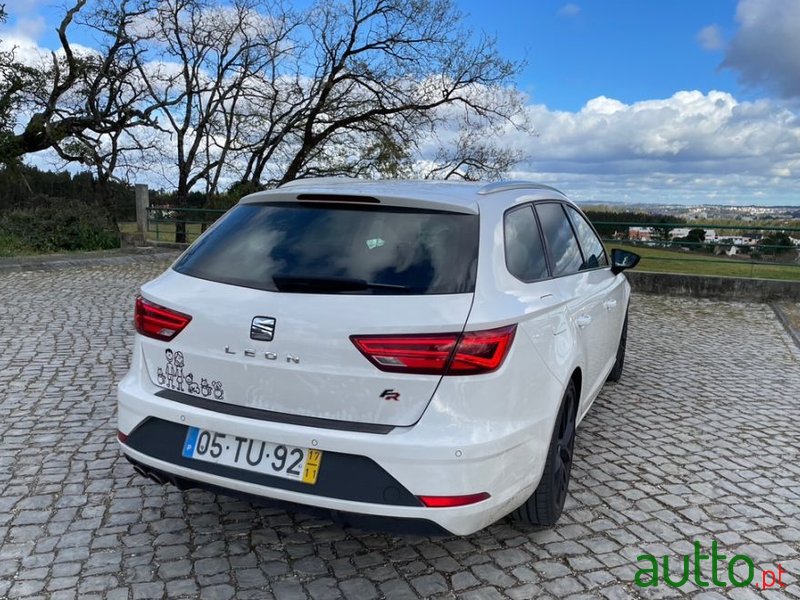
54	225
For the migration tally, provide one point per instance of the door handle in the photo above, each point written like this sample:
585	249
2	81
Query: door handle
583	320
610	304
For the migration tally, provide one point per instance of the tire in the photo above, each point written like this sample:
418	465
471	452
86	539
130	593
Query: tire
547	501
616	371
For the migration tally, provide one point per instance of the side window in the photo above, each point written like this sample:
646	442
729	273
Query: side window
593	251
564	250
525	257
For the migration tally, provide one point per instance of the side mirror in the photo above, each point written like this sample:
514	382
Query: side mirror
622	259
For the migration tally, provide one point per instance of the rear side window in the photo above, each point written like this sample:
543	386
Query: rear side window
339	248
525	258
564	250
593	251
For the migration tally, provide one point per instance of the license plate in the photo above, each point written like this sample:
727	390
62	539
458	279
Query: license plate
280	460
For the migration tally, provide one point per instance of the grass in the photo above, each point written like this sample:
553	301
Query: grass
658	260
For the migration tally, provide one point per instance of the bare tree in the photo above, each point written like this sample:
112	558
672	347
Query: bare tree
198	67
366	83
110	80
77	94
473	157
468	146
251	91
14	79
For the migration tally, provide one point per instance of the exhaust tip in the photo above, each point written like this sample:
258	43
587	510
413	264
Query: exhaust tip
151	475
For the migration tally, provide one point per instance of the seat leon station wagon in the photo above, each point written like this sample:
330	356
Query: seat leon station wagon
413	353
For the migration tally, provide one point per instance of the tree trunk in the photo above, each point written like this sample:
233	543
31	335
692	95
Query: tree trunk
181	199
107	205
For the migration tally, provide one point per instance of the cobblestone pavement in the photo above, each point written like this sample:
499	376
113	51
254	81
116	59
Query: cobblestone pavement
698	442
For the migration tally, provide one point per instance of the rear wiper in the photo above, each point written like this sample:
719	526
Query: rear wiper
310	285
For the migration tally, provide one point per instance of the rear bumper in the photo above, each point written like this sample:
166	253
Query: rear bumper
344	476
439	456
361	521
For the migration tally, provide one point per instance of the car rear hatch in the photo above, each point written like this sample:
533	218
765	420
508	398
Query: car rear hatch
277	290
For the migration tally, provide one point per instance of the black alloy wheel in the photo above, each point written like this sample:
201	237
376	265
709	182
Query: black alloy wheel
545	505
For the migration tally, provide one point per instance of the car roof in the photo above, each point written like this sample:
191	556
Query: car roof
468	196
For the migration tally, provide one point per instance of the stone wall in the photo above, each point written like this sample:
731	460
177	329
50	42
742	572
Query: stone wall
723	288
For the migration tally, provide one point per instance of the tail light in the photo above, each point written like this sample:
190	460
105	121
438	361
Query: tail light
451	501
157	321
468	353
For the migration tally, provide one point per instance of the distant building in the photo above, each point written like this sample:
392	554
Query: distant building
682	232
751	239
679	232
644	234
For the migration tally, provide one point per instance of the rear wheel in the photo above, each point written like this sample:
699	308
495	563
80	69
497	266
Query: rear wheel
547	501
616	371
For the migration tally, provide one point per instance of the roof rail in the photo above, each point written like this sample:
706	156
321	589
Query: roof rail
512	184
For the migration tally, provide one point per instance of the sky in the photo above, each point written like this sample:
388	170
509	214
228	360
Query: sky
668	101
629	50
665	101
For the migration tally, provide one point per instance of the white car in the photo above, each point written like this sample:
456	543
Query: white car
421	351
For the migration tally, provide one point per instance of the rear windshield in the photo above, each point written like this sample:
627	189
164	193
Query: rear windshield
339	248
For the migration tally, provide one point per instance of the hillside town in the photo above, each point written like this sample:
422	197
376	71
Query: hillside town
651	234
709	213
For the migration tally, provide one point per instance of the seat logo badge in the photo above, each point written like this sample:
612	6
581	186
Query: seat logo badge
262	329
390	394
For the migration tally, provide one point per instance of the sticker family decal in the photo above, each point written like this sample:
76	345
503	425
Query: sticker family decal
172	376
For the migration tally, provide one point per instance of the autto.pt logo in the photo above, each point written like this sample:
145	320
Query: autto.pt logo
697	567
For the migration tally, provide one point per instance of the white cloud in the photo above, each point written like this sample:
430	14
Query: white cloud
691	147
28	52
765	50
24	21
569	10
710	38
25	49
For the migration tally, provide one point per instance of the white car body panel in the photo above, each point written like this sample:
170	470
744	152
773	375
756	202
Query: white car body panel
332	377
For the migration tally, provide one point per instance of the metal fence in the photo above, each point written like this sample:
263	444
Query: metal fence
180	225
726	250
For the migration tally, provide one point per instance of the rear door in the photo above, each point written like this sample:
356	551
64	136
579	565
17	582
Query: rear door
580	287
276	291
526	260
608	285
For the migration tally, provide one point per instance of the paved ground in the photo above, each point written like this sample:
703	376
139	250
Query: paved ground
699	442
119	256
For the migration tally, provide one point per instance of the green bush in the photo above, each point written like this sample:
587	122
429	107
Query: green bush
56	224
